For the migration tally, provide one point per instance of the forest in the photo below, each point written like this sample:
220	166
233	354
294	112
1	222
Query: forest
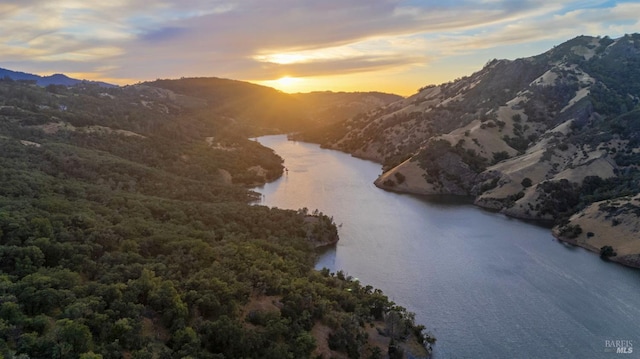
127	231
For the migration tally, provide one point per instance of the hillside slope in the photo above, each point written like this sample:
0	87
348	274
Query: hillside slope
537	138
126	232
264	109
329	107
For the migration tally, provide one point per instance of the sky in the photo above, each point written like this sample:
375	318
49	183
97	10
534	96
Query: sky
294	45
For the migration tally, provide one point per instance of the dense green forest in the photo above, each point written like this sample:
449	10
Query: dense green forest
126	231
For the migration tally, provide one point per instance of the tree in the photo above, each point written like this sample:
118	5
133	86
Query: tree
500	156
186	342
606	252
165	300
72	338
526	182
90	355
304	345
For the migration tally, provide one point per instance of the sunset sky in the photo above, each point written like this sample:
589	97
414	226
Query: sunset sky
294	45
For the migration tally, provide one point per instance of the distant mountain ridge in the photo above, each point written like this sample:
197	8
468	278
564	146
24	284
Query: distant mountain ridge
55	79
553	137
265	108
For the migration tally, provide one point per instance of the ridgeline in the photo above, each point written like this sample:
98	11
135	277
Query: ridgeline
553	138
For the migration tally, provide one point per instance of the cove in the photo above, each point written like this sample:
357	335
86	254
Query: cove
487	286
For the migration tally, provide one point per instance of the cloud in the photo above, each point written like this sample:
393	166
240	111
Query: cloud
614	22
163	34
38	31
253	31
258	39
332	67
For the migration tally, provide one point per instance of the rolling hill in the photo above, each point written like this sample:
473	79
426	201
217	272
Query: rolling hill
264	109
553	138
127	231
55	79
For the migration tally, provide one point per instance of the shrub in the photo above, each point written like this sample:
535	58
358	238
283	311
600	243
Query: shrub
606	252
571	231
500	156
517	143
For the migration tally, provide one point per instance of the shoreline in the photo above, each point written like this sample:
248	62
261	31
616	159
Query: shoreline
629	260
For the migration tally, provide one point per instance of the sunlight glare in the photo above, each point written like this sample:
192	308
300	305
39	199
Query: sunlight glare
286	84
287	81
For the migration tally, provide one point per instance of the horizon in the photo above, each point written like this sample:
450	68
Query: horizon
387	46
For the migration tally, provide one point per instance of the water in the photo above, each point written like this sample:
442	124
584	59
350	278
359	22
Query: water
487	286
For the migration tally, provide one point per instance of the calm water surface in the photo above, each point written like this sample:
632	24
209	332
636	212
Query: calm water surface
486	285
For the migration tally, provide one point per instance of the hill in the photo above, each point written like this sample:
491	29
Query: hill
55	79
263	109
126	231
543	138
330	107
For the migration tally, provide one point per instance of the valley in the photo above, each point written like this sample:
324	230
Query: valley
539	138
128	227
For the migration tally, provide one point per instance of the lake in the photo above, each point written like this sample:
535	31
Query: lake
487	286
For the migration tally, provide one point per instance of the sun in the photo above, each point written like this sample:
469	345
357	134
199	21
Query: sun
285	84
288	84
287	81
